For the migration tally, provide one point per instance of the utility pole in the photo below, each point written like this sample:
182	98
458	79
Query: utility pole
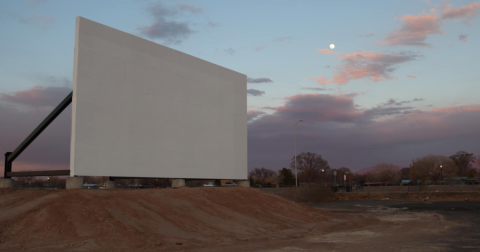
351	187
413	171
441	174
295	136
335	179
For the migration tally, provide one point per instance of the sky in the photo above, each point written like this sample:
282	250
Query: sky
402	81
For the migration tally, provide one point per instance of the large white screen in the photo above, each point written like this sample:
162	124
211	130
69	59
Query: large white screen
141	109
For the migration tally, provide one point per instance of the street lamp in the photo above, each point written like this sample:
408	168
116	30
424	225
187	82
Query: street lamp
441	173
323	173
295	136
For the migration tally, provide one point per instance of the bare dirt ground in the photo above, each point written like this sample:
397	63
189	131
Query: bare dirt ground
412	196
209	219
437	225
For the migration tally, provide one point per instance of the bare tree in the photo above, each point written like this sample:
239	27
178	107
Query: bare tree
472	173
286	176
56	182
344	170
310	165
464	161
359	179
24	181
405	173
428	168
37	182
260	175
370	177
386	173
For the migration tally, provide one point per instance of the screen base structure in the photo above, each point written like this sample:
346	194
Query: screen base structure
110	185
6	183
244	183
176	183
74	183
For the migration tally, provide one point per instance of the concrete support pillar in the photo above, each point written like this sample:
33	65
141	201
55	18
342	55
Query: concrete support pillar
110	185
244	183
176	183
74	183
6	183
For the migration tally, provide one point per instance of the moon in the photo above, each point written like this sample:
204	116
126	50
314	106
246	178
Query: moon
332	46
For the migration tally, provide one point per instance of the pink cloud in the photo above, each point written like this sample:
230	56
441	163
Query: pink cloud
429	125
375	66
319	108
414	31
40	166
37	96
322	81
412	76
252	114
452	110
465	13
325	51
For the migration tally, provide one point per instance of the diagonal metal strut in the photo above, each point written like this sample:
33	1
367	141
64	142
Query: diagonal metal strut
11	156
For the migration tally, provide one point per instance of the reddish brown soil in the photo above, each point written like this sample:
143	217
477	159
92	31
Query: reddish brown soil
205	219
148	219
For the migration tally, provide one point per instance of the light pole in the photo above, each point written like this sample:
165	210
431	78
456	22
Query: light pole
335	178
323	173
295	136
441	174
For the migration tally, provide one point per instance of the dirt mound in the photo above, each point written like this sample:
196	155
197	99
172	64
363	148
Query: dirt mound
147	219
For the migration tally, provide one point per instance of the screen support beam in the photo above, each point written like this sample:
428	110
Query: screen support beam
11	156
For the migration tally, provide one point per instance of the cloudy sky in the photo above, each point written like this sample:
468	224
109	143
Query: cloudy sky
402	81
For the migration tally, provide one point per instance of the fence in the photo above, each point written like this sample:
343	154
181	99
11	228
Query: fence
39	187
390	189
418	188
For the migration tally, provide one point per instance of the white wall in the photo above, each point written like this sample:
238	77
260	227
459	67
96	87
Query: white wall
141	109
